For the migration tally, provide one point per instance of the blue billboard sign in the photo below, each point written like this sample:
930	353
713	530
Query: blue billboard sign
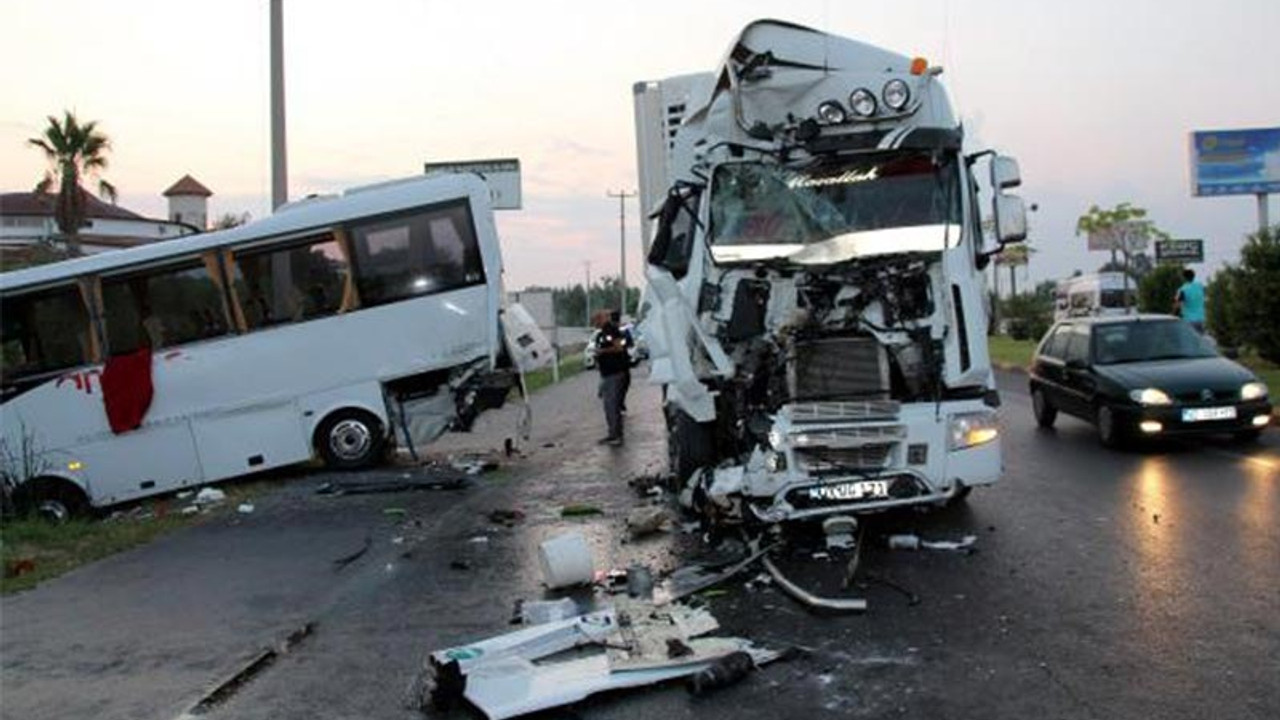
1235	162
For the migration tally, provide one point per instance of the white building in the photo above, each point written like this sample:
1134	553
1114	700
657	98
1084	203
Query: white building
27	219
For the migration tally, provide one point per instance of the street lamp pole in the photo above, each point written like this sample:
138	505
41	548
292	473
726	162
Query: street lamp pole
279	163
622	233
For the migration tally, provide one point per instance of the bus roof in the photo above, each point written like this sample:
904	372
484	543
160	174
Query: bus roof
306	214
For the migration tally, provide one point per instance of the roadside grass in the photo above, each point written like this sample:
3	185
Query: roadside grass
33	550
570	365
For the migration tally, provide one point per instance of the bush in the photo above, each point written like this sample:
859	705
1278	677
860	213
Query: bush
1027	317
1157	290
1257	300
1220	308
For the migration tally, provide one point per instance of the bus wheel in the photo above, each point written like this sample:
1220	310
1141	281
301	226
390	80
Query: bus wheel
350	439
53	499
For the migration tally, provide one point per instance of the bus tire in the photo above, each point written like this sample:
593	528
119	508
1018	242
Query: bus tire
54	499
350	439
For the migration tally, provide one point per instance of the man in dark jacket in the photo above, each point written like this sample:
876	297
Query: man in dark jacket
614	363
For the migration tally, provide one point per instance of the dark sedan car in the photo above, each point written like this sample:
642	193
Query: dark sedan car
1144	376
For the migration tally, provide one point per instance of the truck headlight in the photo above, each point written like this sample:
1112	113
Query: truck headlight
863	102
896	94
831	113
972	429
1253	391
1150	396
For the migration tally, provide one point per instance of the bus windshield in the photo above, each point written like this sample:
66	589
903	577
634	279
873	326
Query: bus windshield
834	210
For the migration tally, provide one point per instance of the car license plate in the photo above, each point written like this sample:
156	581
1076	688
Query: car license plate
1201	414
860	490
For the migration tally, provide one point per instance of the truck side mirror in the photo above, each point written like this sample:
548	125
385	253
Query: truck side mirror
1005	173
1011	219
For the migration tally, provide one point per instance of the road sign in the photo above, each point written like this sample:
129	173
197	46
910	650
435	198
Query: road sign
502	176
1180	251
1235	162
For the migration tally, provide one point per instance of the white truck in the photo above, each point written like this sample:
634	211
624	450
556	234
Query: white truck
1104	293
814	302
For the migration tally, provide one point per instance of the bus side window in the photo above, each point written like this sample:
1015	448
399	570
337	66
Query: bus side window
162	307
300	281
43	332
426	252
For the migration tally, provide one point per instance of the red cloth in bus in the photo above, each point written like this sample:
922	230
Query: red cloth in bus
126	389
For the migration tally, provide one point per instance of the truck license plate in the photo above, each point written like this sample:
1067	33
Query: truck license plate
1199	414
860	490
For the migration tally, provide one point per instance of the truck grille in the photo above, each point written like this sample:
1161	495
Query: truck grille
828	412
839	367
821	461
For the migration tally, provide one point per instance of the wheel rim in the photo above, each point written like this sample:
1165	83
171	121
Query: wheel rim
1106	423
53	510
350	439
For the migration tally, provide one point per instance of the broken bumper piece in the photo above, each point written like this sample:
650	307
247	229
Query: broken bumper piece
517	673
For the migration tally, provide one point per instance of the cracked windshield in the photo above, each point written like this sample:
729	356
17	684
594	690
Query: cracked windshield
834	211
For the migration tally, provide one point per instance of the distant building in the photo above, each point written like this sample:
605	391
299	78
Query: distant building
27	219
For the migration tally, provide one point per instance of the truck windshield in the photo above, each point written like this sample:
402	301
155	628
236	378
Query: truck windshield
834	210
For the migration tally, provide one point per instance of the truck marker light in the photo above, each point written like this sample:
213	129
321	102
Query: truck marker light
75	465
919	65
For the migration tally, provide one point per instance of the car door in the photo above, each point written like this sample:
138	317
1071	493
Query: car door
1047	368
1079	383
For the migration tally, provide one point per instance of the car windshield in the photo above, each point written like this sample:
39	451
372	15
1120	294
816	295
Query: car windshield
835	210
1148	340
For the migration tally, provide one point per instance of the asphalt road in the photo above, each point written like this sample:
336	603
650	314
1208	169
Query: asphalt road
1106	584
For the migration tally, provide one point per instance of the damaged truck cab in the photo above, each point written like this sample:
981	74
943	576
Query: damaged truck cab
815	303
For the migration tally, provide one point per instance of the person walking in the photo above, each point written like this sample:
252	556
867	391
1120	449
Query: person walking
1188	304
613	362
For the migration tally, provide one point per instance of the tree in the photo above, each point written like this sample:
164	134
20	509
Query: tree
1157	290
73	151
1126	230
1220	308
1257	302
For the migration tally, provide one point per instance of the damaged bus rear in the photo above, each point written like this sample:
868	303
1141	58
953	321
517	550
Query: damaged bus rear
815	303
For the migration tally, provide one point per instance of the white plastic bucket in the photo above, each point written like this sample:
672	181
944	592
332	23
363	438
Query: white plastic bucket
566	560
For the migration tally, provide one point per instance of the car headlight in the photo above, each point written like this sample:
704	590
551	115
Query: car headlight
1150	396
971	429
1253	391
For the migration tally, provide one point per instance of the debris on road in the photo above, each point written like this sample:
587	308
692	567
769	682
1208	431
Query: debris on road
722	673
579	510
504	517
566	561
436	480
808	598
474	465
346	560
395	511
634	645
245	508
209	496
913	542
538	612
648	520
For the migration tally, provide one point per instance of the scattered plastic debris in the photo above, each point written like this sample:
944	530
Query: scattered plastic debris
537	612
397	540
479	540
395	511
210	496
648	520
965	544
566	561
904	542
245	508
190	510
435	480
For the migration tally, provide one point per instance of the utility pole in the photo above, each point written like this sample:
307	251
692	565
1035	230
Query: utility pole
279	165
622	232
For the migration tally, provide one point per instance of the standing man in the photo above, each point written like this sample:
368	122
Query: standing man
1189	302
613	362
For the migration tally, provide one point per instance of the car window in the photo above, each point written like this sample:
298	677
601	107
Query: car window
1077	344
1148	340
1055	345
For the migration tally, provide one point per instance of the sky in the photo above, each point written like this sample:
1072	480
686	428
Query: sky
1095	98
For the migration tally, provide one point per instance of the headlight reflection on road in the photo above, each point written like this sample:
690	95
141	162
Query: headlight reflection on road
1157	504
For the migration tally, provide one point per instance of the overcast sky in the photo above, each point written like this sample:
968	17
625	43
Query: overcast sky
1095	98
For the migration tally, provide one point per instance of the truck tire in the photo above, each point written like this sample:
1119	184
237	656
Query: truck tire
350	439
690	445
53	499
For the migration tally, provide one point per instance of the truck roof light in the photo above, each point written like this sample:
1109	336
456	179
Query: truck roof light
919	66
863	102
896	94
832	113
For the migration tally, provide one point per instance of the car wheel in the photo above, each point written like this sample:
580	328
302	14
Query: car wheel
961	495
1044	411
1248	436
1108	427
690	445
350	439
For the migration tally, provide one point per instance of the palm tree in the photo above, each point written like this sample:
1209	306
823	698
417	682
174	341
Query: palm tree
73	151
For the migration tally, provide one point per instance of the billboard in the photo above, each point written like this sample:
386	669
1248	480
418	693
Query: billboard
1235	162
502	176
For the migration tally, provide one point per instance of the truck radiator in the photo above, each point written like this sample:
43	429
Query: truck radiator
825	461
840	367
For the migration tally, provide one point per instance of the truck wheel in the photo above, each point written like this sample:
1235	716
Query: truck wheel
53	499
690	445
350	439
1045	412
